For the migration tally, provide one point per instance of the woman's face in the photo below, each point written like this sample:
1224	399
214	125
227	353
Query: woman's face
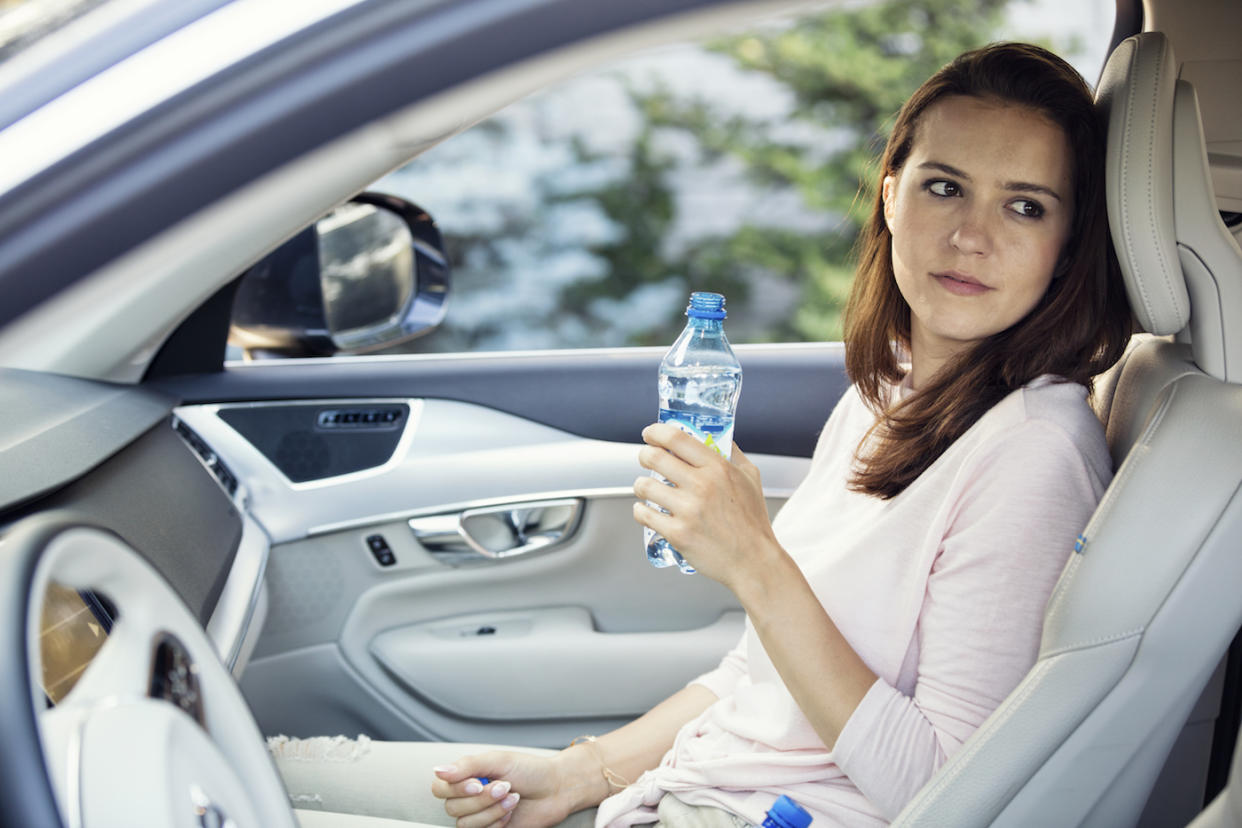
979	215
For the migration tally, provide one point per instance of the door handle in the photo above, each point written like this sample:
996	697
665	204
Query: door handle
489	533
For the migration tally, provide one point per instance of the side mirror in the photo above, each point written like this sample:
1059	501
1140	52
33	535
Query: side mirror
370	274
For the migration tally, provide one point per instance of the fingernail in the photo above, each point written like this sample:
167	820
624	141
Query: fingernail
511	801
444	769
500	789
474	786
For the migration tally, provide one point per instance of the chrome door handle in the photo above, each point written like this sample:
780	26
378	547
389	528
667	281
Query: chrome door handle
489	533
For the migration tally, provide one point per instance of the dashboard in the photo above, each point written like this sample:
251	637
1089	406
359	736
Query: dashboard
122	460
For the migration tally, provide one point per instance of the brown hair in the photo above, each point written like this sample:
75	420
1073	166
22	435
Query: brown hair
1079	327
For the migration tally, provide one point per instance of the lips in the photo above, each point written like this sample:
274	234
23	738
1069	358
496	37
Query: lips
960	283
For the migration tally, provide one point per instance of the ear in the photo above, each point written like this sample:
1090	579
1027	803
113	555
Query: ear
888	189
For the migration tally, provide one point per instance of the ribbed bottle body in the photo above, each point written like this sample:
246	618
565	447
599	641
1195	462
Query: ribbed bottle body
699	383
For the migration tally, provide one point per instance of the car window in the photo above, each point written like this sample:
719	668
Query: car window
583	215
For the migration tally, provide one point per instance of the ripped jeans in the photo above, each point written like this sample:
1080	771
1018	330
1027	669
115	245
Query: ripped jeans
372	778
392	781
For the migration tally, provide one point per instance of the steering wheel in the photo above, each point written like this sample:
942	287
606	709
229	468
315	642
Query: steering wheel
115	751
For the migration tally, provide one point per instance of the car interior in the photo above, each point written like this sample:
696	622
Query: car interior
196	555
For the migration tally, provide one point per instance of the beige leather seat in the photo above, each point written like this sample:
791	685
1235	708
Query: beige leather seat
1147	607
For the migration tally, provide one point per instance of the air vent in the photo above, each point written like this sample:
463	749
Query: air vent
213	463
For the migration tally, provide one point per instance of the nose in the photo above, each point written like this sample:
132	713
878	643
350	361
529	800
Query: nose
971	234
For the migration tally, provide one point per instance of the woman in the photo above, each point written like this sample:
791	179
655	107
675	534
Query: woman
899	595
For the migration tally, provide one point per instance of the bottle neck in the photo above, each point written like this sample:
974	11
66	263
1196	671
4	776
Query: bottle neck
707	326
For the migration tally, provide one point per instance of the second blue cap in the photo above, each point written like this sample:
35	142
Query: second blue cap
786	813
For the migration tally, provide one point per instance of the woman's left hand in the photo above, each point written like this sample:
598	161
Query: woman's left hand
717	519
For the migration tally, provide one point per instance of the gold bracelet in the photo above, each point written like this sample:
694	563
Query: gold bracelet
614	779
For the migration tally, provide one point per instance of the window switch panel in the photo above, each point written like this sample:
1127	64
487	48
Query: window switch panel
380	550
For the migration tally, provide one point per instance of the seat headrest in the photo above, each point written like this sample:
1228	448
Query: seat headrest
1183	270
1136	94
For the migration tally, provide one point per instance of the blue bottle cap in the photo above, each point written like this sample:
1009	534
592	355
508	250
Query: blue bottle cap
705	305
786	813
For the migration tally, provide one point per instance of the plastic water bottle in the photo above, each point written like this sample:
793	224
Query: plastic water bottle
786	813
700	380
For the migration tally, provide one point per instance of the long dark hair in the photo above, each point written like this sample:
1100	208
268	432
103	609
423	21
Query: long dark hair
1079	327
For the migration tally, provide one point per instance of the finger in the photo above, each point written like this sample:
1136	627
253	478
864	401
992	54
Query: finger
669	466
665	463
491	815
478	799
674	440
451	773
468	787
663	524
664	496
498	790
451	779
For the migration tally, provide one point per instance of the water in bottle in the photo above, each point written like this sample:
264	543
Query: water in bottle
699	383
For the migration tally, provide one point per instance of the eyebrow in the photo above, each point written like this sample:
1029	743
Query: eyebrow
1016	186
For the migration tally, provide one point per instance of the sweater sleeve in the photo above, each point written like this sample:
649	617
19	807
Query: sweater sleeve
1021	503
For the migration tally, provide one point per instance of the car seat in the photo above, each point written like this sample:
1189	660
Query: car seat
1150	598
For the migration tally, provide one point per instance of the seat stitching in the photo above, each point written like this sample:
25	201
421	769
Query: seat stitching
1166	270
1124	184
1063	583
1095	642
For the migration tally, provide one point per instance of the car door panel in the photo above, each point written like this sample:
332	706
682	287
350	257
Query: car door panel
500	666
579	633
328	591
318	586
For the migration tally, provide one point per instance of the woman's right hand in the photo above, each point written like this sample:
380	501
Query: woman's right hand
524	792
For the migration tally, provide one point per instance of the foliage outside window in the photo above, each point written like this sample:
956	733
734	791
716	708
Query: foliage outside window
584	215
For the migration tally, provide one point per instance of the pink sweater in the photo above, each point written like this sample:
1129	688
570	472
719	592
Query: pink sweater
940	590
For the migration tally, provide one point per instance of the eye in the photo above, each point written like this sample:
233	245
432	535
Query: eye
943	188
1027	208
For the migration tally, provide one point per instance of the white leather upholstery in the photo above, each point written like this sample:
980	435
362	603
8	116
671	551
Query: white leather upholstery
1139	179
1174	251
1144	611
